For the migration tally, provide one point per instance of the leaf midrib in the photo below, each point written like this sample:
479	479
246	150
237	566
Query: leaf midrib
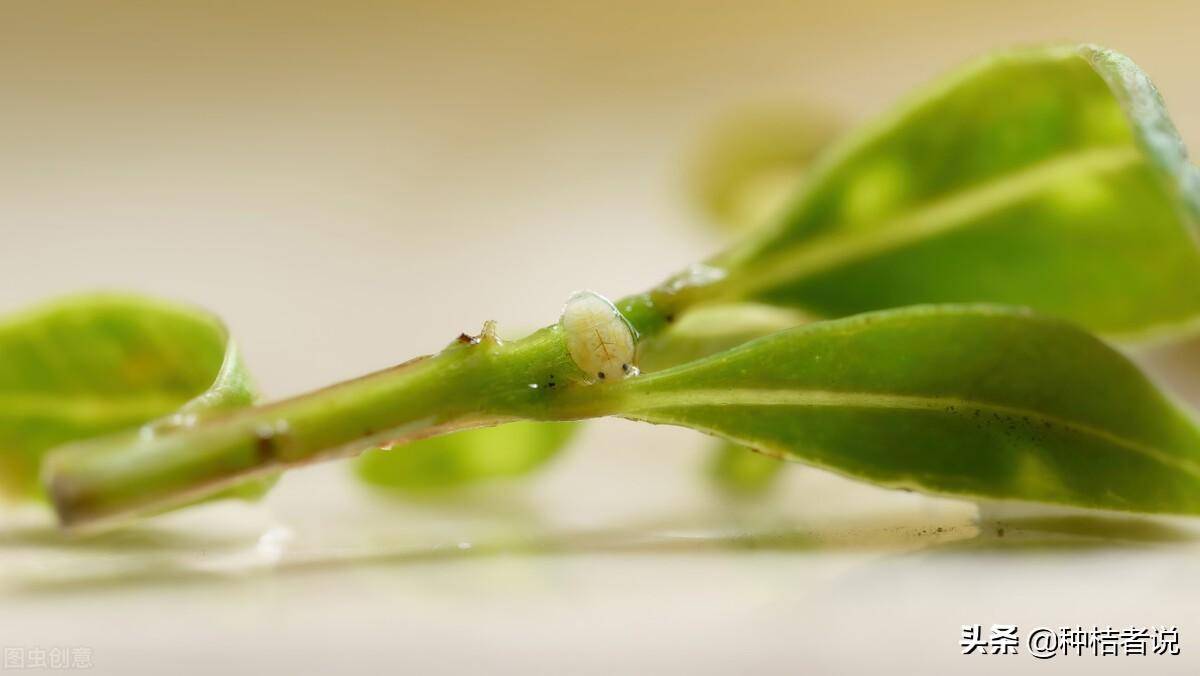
929	220
835	399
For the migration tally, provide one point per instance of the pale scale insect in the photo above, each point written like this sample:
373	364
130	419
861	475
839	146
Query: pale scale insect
601	342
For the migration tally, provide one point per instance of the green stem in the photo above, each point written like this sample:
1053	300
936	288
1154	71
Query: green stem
469	384
472	383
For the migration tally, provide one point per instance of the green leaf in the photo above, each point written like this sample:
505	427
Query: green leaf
470	456
1024	261
741	472
1049	178
751	161
964	400
705	331
90	365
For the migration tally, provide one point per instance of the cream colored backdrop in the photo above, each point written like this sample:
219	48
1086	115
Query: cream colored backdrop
352	183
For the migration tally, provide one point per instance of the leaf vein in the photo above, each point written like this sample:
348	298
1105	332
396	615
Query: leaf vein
834	399
932	219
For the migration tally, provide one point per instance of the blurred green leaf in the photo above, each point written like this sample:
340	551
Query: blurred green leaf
90	365
965	400
1049	178
753	159
453	460
743	472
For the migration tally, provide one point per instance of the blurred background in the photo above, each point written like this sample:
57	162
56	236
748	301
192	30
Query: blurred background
349	184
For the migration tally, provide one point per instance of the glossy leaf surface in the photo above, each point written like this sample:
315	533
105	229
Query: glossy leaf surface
965	400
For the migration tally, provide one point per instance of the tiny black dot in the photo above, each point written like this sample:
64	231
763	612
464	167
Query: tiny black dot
625	368
601	374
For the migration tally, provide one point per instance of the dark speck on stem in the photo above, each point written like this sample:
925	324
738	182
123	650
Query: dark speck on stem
267	439
264	441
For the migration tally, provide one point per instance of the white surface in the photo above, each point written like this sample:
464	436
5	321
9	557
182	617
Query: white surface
349	186
615	560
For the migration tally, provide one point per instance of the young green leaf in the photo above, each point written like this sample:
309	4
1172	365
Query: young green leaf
90	365
1049	178
454	460
963	400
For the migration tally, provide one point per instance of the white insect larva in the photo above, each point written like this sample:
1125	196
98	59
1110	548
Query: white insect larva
601	342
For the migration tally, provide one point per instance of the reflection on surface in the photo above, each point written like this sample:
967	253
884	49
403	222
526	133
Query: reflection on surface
353	529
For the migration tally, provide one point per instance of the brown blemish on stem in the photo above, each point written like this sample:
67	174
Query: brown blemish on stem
265	444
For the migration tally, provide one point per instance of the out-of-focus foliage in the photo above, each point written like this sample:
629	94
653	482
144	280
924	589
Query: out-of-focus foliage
753	159
742	472
454	460
90	365
1049	178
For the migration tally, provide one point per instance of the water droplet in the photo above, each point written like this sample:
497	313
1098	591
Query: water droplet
697	274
